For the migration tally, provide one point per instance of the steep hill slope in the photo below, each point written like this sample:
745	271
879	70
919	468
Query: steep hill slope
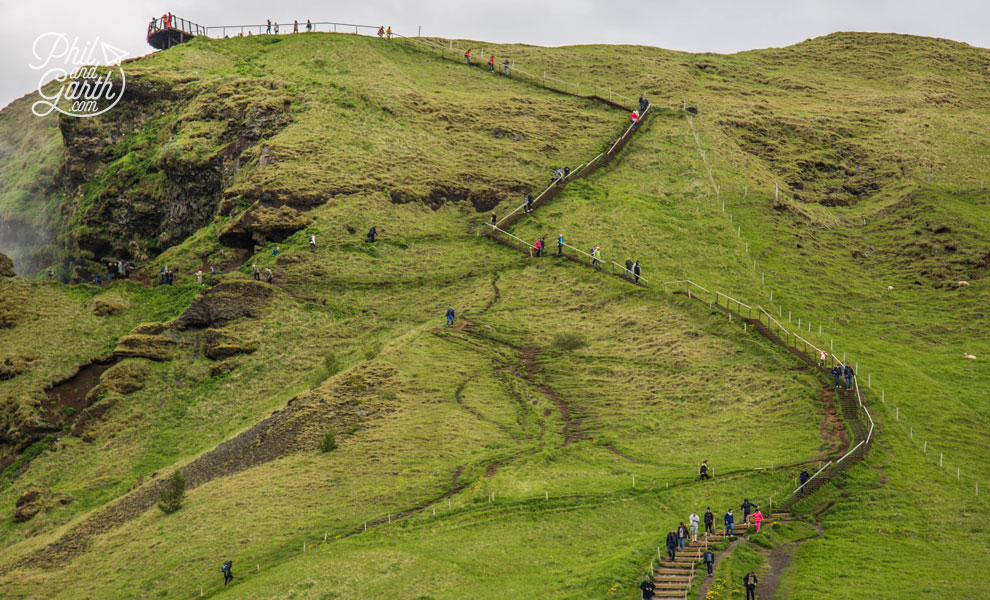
498	458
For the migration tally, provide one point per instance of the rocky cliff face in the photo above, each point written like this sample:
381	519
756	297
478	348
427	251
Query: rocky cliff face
133	189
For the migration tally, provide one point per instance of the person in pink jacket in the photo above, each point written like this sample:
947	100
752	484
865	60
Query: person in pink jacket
757	519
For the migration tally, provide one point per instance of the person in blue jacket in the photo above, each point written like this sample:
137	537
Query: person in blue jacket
729	522
450	316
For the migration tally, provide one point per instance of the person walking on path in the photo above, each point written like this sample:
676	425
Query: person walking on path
821	359
467	56
199	277
543	245
276	28
629	268
560	245
295	26
729	522
848	373
538	247
703	470
636	271
309	25
450	316
505	67
747	509
372	234
312	241
269	30
381	31
803	478
388	32
709	521
757	519
709	560
682	535
51	273
693	526
837	374
597	258
567	171
750	582
643	103
671	545
493	220
529	203
491	63
226	570
269	276
276	251
257	272
634	119
648	587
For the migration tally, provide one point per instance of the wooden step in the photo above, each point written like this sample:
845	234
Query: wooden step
669	593
673	585
677	565
671	577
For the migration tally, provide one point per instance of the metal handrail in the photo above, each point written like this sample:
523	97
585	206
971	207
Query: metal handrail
851	451
727	297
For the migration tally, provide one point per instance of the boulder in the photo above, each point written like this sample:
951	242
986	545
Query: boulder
6	266
149	328
220	346
222	368
155	347
225	302
110	304
35	501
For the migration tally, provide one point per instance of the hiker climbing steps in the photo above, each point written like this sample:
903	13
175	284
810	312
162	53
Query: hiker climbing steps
674	579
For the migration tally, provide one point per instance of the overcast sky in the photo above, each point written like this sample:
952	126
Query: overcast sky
693	25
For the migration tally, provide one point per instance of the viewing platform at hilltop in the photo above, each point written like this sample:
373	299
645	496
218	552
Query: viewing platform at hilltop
169	30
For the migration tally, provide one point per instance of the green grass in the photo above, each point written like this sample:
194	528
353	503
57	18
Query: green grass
658	378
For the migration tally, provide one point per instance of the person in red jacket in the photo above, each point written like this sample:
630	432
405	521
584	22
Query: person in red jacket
634	118
491	63
467	56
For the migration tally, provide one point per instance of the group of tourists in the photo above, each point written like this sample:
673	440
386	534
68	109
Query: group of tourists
840	372
677	538
385	32
269	276
632	269
116	269
491	62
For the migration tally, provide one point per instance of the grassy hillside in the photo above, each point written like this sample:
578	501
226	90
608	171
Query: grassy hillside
497	458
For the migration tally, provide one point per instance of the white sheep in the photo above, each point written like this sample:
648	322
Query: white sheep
962	284
890	288
969	356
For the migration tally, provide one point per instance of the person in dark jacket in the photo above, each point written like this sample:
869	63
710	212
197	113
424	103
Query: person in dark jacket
750	582
848	373
372	233
493	220
747	509
729	522
837	374
226	570
804	477
709	521
643	103
529	203
648	587
703	471
672	545
450	316
709	561
629	267
682	536
636	271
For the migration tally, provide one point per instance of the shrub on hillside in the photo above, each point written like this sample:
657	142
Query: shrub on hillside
329	441
172	494
569	340
331	366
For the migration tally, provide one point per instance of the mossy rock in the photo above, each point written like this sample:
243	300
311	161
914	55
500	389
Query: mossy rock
125	377
220	346
149	329
84	421
225	302
36	500
155	347
109	304
6	266
222	368
12	366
